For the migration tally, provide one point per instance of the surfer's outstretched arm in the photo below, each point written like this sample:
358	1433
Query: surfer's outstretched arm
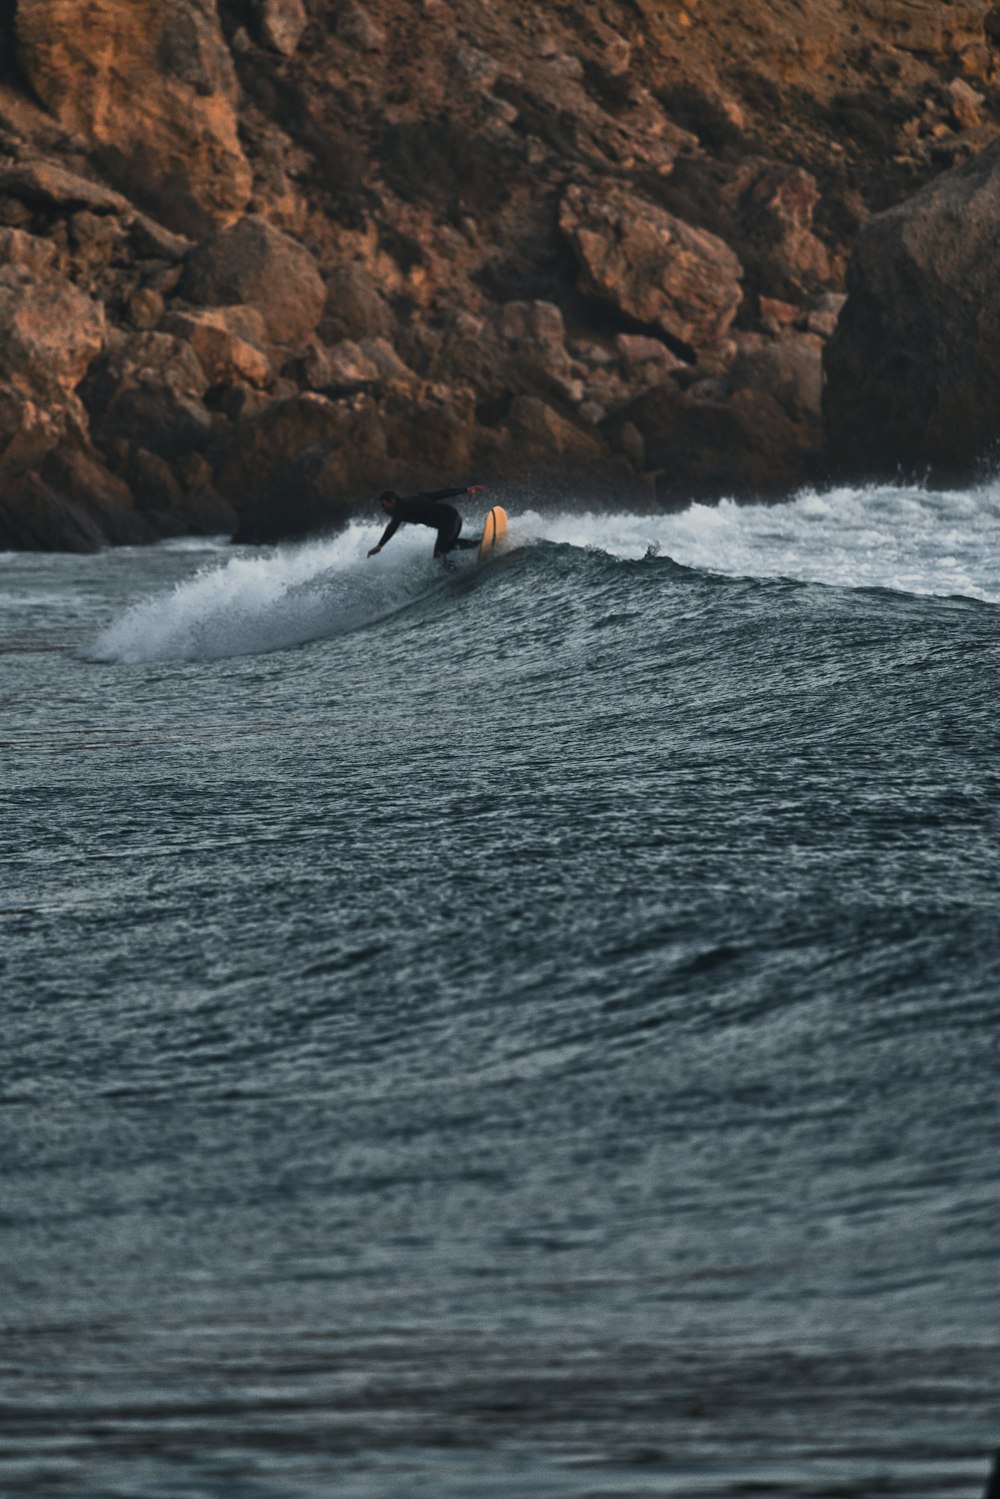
389	532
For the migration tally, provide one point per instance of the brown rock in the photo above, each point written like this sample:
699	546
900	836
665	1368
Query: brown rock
282	23
217	337
712	446
255	264
636	349
431	437
355	307
261	469
357	27
146	307
151	240
544	438
823	318
343	368
391	368
533	336
789	369
928	26
913	368
776	203
47	184
49	332
652	266
34	518
148	387
152	88
966	105
38	256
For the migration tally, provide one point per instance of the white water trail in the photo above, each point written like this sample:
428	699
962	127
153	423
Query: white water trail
907	539
272	599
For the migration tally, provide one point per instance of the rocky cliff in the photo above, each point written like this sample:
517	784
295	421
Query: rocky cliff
259	258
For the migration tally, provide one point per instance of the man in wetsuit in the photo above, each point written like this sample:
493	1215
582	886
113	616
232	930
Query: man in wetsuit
426	510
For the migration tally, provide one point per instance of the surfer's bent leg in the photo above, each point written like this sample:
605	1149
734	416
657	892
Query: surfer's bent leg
447	535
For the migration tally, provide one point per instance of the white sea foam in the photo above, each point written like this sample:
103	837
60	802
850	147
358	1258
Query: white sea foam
272	599
910	540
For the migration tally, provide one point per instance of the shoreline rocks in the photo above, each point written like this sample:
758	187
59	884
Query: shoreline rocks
260	260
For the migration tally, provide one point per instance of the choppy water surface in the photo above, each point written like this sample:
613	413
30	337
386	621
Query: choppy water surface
529	1031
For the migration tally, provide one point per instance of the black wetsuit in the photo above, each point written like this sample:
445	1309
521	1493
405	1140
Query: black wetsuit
427	510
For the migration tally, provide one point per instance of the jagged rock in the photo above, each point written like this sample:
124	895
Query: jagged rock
218	336
33	254
63	497
153	384
34	518
47	184
256	264
152	88
543	437
824	316
966	104
254	465
151	240
430	436
913	368
424	160
146	308
281	24
777	204
360	29
49	332
345	367
533	336
355	307
707	443
636	350
651	265
928	26
391	368
789	369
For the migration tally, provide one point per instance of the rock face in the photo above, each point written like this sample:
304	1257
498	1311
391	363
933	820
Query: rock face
152	89
651	265
913	371
261	258
258	266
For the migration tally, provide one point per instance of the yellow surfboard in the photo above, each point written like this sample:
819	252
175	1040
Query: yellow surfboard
494	532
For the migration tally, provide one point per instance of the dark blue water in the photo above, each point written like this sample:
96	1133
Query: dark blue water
524	1032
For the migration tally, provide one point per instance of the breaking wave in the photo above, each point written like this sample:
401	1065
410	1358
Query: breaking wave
906	539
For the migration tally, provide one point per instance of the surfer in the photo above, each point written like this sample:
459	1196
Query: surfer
426	510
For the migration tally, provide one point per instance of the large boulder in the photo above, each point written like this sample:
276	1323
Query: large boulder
152	87
49	332
257	265
56	493
652	266
752	434
913	368
230	342
149	384
257	466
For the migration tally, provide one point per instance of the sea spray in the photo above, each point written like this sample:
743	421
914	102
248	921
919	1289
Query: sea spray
912	540
270	600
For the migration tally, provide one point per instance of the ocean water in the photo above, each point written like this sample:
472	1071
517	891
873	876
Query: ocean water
523	1031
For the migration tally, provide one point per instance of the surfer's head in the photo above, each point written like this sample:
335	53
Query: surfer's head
388	500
